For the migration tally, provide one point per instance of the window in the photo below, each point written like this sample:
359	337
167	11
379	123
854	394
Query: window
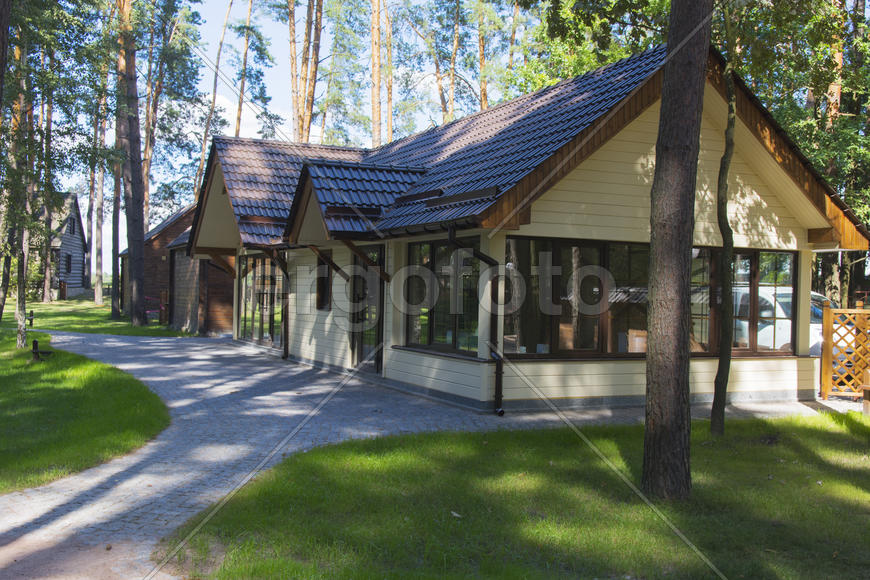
71	228
443	316
579	298
324	281
67	263
262	289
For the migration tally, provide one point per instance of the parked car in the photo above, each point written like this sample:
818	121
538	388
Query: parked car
817	303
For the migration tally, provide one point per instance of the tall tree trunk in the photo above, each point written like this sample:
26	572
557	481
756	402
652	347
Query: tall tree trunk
303	74
376	73
513	38
294	80
205	132
116	236
451	91
311	81
21	161
481	57
666	469
92	184
97	245
6	267
388	29
134	189
48	191
726	256
244	68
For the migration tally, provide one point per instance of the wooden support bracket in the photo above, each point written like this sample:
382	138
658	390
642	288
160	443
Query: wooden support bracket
330	263
221	262
823	236
367	261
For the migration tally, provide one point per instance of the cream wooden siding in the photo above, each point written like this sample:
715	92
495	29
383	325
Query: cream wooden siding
768	378
446	374
318	335
607	196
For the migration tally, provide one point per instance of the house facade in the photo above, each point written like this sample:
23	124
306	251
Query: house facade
68	249
503	258
192	296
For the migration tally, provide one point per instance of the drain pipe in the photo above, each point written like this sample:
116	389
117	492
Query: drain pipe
493	324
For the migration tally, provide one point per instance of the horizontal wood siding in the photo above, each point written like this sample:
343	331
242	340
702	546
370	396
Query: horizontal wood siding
71	245
607	196
449	375
561	379
319	335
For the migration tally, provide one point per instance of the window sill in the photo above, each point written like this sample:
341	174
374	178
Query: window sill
442	353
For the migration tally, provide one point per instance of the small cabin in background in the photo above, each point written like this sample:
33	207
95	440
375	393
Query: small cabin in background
68	249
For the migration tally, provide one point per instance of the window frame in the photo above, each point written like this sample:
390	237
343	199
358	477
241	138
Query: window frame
452	347
605	327
323	282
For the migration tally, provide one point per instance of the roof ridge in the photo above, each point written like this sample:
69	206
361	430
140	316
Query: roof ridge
519	98
290	143
367	165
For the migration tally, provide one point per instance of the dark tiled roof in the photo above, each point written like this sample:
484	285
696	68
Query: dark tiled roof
261	178
497	147
353	196
155	231
468	163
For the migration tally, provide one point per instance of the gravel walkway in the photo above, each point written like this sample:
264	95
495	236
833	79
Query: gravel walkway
230	406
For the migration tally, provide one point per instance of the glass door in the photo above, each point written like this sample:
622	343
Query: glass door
368	297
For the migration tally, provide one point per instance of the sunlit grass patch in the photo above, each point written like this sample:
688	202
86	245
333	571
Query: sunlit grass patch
66	414
80	315
786	498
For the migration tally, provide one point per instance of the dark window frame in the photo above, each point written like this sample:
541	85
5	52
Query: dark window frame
604	326
67	268
452	347
323	288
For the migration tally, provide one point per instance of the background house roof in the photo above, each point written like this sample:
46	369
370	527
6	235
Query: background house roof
156	230
68	209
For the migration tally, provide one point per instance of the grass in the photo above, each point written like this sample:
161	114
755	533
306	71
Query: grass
66	414
80	315
786	498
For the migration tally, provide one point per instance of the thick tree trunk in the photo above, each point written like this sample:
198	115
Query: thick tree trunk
376	73
5	20
666	468
134	189
208	118
726	257
244	68
97	245
311	81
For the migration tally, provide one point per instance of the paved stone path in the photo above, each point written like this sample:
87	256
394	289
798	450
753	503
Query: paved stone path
230	406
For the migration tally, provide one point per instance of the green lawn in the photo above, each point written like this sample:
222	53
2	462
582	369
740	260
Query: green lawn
773	499
79	315
66	414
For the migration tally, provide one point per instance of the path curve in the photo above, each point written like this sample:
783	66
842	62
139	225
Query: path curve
230	405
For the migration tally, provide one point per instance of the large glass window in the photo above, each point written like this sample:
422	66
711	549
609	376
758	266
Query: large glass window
448	320
261	300
555	291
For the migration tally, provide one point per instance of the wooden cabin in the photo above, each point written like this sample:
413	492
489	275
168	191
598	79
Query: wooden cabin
520	232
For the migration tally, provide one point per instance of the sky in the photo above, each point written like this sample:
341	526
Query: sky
277	80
